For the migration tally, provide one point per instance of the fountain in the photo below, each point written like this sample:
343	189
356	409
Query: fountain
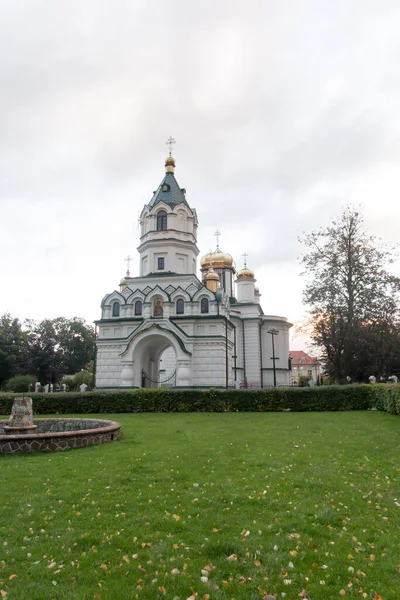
21	434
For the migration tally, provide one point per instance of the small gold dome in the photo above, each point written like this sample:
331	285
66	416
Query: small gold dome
123	281
219	260
211	275
245	273
170	161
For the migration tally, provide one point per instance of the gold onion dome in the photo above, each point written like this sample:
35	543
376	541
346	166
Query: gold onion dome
211	275
169	164
217	258
245	273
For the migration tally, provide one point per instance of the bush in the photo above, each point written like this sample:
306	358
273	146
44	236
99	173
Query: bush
20	383
324	398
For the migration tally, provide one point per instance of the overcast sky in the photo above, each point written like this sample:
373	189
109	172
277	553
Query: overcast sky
284	111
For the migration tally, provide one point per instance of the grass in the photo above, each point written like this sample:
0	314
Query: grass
272	503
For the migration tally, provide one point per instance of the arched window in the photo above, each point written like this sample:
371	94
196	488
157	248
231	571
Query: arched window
180	307
115	309
138	307
162	221
204	305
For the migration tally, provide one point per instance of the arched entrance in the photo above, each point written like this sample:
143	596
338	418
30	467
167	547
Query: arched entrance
143	360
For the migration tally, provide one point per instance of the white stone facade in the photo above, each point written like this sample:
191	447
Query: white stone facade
168	327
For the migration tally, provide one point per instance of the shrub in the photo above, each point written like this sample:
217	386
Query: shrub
324	398
20	383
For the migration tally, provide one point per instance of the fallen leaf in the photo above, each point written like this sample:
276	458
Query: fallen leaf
13	576
103	566
257	563
232	557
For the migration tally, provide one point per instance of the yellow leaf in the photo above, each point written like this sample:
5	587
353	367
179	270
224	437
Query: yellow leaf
162	590
176	517
257	563
103	566
232	557
3	593
126	559
13	576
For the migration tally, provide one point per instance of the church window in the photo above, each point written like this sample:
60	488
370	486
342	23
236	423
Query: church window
204	306
115	309
162	221
165	187
180	307
138	307
161	263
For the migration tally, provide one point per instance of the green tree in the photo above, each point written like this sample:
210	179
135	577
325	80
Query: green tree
76	340
352	298
58	347
13	348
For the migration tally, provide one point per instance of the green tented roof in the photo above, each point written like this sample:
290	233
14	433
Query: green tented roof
174	195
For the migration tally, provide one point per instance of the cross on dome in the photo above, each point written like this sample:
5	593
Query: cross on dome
245	255
170	141
128	260
217	234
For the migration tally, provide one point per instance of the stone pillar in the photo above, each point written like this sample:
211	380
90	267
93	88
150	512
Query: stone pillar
183	373
21	418
127	374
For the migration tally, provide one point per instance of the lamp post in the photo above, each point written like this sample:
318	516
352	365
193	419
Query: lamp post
273	333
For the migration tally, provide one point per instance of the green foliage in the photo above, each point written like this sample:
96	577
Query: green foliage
353	300
12	347
20	383
83	377
324	398
50	349
303	380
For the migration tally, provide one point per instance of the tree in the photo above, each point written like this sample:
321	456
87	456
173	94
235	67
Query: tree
352	298
76	340
12	347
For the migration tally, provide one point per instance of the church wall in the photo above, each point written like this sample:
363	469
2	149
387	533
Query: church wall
178	258
108	365
252	348
208	364
281	351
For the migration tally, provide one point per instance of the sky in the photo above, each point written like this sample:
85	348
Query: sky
283	113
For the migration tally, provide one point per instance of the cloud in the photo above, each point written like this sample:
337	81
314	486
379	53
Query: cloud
282	112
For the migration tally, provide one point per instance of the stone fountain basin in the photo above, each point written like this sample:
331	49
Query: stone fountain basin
53	435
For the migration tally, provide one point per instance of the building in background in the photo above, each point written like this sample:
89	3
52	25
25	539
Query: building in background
304	365
166	326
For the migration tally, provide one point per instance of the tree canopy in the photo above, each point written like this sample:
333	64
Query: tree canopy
353	299
48	349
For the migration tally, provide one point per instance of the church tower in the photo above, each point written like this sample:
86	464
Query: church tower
168	239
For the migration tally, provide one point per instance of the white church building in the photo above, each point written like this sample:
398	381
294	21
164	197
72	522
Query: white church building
169	327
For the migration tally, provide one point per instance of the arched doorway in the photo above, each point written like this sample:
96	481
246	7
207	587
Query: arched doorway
144	360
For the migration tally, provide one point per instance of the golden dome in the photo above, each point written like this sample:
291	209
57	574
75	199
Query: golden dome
169	164
211	275
219	260
245	273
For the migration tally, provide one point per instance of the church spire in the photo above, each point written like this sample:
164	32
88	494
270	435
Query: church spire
170	161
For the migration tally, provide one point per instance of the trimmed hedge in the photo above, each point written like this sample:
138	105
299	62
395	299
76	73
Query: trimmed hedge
324	398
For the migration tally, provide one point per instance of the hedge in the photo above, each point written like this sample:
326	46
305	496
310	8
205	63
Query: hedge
324	398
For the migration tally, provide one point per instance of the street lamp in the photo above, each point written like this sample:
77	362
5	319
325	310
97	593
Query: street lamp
273	333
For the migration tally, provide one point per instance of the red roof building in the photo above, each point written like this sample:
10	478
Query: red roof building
304	365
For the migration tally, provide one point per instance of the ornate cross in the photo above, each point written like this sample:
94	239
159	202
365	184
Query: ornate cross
170	141
128	262
245	255
217	234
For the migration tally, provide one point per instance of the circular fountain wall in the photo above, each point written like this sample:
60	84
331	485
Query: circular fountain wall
58	434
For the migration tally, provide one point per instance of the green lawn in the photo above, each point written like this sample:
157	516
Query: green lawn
263	503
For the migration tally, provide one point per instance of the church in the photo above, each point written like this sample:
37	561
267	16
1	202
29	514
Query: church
169	327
